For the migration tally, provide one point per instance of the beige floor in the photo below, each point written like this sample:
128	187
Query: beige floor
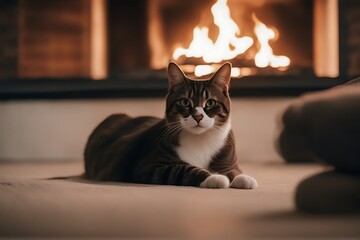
32	205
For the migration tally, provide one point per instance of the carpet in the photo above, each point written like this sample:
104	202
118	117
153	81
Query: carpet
32	205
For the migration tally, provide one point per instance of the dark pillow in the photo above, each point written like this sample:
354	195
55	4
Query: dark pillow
324	126
329	192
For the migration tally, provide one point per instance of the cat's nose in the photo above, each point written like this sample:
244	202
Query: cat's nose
198	117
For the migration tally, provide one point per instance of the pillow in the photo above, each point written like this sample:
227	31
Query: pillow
324	126
329	192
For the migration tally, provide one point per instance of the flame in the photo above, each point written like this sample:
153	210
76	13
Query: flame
203	47
228	45
202	70
235	72
265	57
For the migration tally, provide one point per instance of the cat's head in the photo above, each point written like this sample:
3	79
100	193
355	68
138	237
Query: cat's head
198	105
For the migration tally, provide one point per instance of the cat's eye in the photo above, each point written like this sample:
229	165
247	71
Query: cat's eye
184	102
210	103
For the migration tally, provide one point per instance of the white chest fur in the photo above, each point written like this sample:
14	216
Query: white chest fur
198	149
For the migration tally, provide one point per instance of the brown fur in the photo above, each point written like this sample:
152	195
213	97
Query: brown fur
142	149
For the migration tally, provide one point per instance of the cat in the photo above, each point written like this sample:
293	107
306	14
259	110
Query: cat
192	146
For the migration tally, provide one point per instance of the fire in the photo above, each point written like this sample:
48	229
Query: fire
228	44
202	70
265	56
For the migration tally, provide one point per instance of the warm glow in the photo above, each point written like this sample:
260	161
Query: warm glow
245	71
235	72
265	57
202	70
227	46
98	53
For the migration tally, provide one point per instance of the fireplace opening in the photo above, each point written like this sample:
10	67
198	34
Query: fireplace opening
260	38
257	37
274	46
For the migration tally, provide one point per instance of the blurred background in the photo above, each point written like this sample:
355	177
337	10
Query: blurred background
66	65
101	39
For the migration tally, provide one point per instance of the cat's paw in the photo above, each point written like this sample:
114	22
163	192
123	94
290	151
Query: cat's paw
244	182
216	181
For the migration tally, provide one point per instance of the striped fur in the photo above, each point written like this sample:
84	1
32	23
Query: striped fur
176	150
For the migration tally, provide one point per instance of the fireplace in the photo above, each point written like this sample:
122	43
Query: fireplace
202	35
269	43
276	47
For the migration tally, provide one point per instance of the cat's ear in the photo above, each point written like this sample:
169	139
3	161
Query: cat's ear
175	74
222	76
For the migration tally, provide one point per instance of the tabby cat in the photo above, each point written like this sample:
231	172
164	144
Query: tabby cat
192	146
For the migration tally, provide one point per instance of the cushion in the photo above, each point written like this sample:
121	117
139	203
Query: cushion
324	126
329	192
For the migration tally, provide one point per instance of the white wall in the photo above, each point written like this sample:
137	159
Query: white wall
58	129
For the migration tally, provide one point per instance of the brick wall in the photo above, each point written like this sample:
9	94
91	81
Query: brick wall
8	38
51	38
54	38
41	38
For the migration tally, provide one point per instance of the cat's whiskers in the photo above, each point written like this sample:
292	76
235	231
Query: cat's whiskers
169	125
220	129
173	132
217	128
172	129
